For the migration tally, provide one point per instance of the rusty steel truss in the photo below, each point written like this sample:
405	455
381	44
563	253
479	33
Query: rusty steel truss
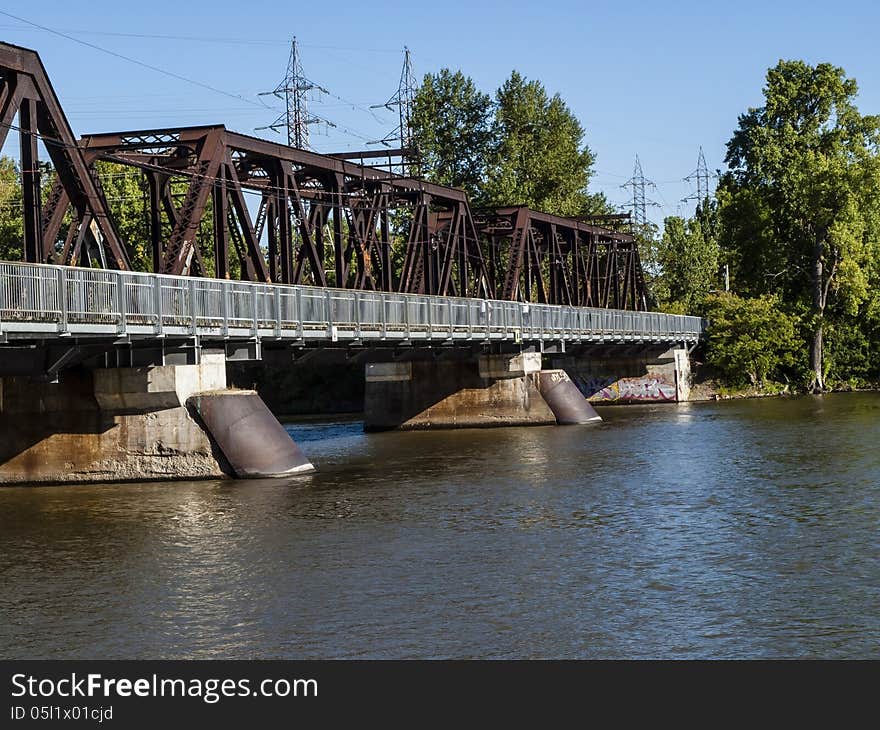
25	90
319	219
311	218
538	257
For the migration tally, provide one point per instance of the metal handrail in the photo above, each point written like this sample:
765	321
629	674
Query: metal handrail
56	300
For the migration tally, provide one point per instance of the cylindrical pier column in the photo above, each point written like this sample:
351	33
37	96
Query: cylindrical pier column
565	400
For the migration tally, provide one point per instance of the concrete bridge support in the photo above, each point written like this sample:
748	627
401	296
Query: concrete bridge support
128	424
491	390
659	375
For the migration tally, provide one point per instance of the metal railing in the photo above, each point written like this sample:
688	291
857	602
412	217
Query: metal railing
45	301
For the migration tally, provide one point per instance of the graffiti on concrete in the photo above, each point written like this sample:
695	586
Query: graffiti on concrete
645	388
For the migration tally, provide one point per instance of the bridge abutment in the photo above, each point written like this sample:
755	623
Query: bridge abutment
491	390
120	424
661	375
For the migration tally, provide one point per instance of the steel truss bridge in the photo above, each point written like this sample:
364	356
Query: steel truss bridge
322	220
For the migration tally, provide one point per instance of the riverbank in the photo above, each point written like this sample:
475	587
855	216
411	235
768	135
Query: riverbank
712	390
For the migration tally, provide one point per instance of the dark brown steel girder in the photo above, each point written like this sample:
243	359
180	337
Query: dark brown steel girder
25	90
306	198
555	260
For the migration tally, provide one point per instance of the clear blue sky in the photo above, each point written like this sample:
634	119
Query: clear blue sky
653	79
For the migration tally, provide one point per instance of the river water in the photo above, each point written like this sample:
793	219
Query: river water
704	530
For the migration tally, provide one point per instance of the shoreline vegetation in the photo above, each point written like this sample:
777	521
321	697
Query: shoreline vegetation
711	389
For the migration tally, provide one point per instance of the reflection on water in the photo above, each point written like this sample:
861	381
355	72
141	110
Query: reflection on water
735	529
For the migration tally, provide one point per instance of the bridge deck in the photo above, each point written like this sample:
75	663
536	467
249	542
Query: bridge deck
42	302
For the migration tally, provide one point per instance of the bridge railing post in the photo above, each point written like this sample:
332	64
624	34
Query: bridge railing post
193	321
119	283
62	300
299	312
41	303
157	303
256	321
4	285
277	300
449	318
428	302
224	307
328	315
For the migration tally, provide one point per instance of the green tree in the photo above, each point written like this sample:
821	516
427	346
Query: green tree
452	127
750	340
799	203
688	256
11	222
540	159
125	189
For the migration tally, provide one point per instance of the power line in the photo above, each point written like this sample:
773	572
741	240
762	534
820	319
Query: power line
260	104
135	61
208	39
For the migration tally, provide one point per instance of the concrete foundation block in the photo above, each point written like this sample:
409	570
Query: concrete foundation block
509	366
453	395
159	387
632	379
379	372
57	433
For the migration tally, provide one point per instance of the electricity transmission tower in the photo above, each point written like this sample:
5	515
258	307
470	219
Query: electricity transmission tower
403	100
640	202
293	90
701	177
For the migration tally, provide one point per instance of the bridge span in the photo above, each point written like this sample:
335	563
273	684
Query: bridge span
122	375
43	305
459	317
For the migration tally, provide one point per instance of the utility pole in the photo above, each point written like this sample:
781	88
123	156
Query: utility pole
403	100
701	177
293	90
640	202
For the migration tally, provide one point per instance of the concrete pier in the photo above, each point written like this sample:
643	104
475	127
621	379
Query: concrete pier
114	424
490	390
493	391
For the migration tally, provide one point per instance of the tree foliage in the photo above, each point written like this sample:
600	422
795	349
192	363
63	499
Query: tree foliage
125	189
11	221
688	257
540	159
800	200
524	148
750	340
452	122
